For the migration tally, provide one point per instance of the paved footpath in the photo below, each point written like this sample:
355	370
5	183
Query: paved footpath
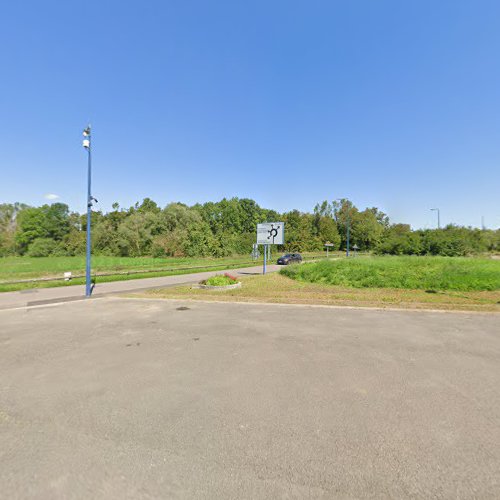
38	296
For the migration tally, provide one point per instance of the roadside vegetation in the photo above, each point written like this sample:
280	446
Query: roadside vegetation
277	288
222	229
146	240
416	273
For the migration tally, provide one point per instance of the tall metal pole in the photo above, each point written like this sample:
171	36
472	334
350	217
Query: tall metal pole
88	146
265	259
439	221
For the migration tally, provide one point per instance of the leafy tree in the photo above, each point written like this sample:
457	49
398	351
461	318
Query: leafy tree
345	214
178	216
327	231
8	226
323	209
366	229
74	243
42	247
47	221
382	218
222	228
148	205
137	231
398	239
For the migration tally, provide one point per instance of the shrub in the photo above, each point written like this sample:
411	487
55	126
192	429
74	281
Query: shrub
220	280
42	247
427	273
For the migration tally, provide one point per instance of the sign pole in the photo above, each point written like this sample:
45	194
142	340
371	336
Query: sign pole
265	256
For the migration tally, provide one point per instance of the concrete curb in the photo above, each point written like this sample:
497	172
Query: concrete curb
218	288
319	306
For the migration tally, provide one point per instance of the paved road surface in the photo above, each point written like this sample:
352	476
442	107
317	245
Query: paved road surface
131	399
35	296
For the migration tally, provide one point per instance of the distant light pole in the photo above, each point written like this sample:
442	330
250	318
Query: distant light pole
439	222
87	138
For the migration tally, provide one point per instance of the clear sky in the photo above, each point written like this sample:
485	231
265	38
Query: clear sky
394	104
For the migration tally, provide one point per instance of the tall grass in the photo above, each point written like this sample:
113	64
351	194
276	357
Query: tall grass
424	273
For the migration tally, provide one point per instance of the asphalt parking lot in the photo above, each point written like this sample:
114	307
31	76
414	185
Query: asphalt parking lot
121	398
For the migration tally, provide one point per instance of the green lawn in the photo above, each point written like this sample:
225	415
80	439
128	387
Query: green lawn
275	288
418	273
26	268
17	268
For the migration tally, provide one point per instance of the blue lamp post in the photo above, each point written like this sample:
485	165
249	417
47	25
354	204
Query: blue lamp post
87	137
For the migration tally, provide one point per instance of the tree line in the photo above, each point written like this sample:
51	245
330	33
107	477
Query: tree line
218	229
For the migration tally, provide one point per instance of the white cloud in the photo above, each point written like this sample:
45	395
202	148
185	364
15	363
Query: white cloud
51	196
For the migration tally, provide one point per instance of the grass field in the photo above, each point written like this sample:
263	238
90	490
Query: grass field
27	268
416	273
17	268
276	288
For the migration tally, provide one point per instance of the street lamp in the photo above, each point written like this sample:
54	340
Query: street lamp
348	223
437	210
87	138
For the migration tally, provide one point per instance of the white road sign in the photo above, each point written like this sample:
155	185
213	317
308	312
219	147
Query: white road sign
271	233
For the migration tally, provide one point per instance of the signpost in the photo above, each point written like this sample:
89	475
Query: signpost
255	251
355	248
328	245
270	233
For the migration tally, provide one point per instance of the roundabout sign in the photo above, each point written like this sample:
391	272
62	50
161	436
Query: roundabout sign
270	233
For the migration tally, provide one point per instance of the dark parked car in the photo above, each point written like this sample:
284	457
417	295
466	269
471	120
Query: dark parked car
290	258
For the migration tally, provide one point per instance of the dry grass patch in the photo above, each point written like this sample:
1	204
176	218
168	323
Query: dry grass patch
276	288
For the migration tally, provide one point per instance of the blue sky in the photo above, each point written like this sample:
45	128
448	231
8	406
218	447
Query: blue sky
393	104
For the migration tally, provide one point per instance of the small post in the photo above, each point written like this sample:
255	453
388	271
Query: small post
265	258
